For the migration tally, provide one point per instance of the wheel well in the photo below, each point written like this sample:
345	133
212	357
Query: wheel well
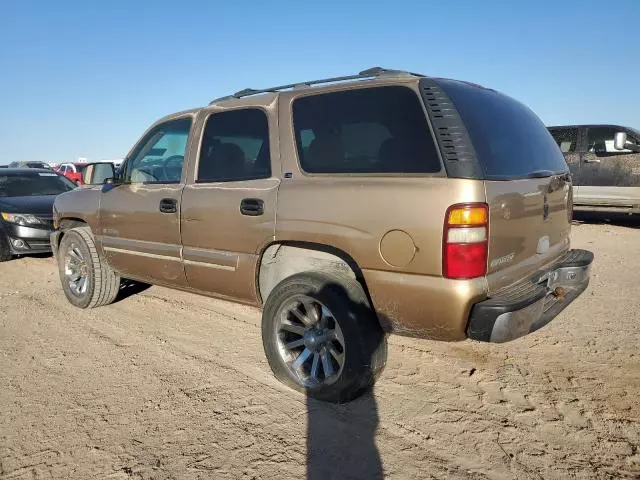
282	260
67	224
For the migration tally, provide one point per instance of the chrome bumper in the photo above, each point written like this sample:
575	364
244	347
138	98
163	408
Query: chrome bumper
527	306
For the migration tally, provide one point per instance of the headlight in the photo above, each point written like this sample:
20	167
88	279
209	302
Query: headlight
25	219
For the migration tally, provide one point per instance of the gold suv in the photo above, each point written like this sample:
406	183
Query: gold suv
346	208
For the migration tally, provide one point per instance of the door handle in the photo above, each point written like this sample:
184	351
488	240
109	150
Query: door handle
591	160
168	205
252	207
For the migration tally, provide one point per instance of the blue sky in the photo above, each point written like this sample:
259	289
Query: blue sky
85	78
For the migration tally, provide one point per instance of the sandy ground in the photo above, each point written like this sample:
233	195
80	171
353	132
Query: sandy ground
170	385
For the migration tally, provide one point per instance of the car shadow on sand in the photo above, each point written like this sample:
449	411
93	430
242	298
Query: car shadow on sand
129	288
341	440
341	436
608	218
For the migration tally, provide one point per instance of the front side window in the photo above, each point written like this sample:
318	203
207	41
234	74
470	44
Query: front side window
160	156
566	138
235	147
366	131
600	141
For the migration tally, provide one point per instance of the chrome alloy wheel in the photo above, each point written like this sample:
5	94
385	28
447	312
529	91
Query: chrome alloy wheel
310	342
76	270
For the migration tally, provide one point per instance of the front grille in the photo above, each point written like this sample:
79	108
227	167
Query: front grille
38	243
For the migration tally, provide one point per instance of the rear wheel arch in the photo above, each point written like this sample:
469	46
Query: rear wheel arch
281	260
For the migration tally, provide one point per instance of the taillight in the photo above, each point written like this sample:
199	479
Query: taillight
465	241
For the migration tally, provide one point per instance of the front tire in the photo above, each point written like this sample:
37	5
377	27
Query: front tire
87	281
321	337
5	251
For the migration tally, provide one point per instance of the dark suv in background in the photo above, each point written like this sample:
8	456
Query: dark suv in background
605	165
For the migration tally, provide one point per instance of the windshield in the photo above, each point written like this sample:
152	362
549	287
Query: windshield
33	184
510	140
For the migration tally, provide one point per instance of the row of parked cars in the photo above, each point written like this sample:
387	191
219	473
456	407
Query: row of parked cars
325	204
72	170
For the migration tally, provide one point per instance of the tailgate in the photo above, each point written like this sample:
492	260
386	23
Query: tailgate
529	226
527	182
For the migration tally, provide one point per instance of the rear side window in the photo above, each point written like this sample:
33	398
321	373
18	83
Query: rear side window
235	146
366	131
509	139
566	138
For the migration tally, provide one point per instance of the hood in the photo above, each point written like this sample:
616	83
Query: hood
38	205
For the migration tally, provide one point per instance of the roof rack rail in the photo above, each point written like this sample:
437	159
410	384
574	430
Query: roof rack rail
368	73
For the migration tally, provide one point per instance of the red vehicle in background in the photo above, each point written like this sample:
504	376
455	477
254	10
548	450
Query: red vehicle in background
73	171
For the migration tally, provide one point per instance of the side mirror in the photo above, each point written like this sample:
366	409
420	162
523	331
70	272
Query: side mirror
620	140
98	173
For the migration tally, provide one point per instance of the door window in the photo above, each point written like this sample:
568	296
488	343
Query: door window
235	147
566	138
603	165
160	155
600	141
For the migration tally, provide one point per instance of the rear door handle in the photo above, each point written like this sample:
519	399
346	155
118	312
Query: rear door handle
168	205
591	160
252	207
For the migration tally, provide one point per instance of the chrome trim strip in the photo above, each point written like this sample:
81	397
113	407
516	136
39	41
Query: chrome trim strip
135	242
142	254
210	265
215	258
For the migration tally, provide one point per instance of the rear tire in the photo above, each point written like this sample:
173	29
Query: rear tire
338	352
87	281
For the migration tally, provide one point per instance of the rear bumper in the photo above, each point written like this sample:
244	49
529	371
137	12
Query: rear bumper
527	306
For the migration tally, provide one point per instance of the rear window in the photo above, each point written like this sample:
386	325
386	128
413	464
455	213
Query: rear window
30	185
365	131
510	140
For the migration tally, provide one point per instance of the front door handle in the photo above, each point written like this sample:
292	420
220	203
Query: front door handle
591	160
252	207
168	205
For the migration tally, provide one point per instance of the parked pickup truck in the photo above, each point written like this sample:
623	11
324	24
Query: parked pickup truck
605	166
347	209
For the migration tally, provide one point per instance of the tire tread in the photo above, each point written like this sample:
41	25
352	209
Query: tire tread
106	282
5	252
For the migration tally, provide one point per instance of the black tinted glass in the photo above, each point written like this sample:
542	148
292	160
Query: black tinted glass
372	130
565	138
235	146
30	185
510	140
